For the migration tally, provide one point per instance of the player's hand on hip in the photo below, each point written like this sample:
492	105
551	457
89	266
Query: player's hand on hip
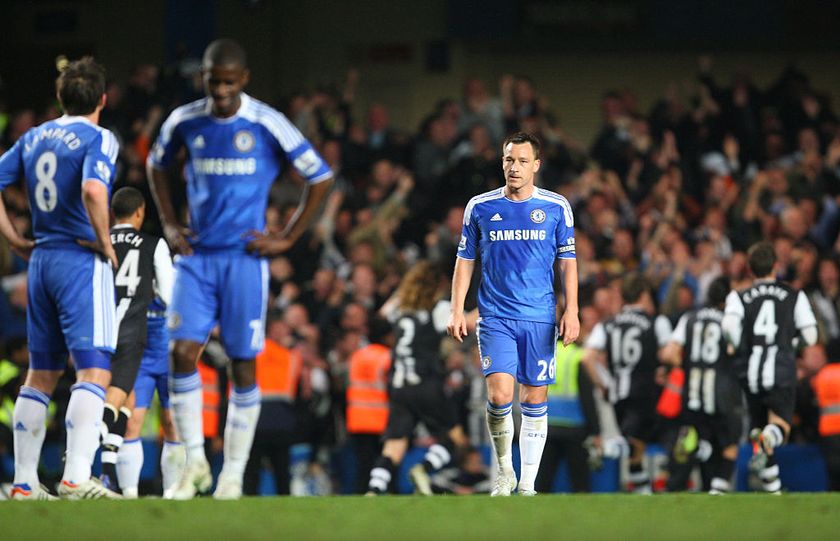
268	245
106	251
22	247
457	326
177	237
569	327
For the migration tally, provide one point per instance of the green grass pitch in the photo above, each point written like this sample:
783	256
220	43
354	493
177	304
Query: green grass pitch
404	518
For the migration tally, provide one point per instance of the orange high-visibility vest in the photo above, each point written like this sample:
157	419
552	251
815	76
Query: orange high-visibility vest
367	393
278	372
670	401
212	398
827	388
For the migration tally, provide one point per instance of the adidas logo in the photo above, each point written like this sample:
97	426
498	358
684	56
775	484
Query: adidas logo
20	427
496	218
198	142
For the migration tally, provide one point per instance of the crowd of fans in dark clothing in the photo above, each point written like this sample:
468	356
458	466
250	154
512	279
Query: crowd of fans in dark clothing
678	192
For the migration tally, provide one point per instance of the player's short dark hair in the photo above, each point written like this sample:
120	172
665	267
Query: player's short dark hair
762	258
80	86
126	201
718	290
520	138
633	286
224	52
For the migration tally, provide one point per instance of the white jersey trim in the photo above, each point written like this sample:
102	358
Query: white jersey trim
546	195
482	198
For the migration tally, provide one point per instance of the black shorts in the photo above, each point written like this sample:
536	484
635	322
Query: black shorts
125	364
424	403
779	400
637	419
720	429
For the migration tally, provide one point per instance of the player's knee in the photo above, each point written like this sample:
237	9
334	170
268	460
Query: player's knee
244	372
43	380
97	376
185	356
497	397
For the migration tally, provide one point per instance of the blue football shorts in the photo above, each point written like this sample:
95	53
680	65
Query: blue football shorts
523	349
71	307
228	289
154	368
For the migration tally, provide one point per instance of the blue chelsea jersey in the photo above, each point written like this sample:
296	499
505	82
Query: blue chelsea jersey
56	158
232	165
518	242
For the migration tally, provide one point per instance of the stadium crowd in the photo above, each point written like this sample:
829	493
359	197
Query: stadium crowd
678	193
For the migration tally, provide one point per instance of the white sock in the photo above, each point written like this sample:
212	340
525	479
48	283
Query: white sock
242	416
83	422
500	425
173	458
615	447
532	435
29	421
129	465
187	408
773	435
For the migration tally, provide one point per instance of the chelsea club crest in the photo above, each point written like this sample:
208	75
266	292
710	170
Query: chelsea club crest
538	216
485	362
243	141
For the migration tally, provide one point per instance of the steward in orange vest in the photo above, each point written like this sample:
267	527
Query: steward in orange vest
367	390
367	399
826	386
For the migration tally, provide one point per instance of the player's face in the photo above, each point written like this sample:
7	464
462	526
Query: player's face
520	166
224	84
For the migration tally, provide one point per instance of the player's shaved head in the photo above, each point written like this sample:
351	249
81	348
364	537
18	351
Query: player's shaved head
126	201
224	52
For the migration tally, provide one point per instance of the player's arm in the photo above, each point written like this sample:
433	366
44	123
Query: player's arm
457	326
95	199
287	140
11	169
671	353
313	195
569	325
569	322
164	272
168	143
733	318
595	358
806	322
159	185
21	246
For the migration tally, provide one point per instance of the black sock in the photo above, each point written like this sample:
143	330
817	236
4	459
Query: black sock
381	475
639	478
438	455
112	441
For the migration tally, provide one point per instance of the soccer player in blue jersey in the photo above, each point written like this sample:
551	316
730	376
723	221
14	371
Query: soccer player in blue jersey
521	233
68	164
235	146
